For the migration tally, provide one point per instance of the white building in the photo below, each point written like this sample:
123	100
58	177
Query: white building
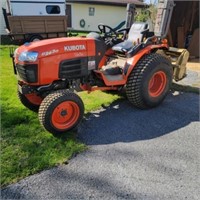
2	22
86	15
82	15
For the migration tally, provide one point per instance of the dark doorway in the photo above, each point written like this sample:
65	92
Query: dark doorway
69	15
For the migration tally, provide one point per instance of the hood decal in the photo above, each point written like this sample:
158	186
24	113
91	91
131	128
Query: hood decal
74	48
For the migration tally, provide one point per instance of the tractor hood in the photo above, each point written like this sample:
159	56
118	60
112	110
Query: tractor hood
51	47
42	62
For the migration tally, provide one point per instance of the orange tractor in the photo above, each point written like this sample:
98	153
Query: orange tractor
49	71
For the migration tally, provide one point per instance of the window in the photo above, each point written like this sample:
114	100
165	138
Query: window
53	9
91	11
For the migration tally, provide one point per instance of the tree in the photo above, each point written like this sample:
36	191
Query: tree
148	14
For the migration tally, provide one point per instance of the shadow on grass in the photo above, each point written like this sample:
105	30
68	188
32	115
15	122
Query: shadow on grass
27	148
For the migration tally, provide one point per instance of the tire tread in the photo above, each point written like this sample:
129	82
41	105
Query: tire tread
135	80
49	100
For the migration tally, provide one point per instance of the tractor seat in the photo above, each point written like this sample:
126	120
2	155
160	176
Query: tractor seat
135	35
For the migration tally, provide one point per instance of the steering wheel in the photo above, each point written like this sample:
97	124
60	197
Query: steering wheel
107	31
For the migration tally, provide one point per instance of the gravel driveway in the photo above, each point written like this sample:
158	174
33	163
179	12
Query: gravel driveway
133	154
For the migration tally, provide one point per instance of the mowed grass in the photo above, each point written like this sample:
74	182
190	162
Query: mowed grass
26	148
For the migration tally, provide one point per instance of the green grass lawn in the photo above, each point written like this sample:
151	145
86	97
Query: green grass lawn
26	148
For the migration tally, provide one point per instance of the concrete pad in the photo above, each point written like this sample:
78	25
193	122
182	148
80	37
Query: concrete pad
194	65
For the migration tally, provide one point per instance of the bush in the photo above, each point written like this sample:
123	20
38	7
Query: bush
5	40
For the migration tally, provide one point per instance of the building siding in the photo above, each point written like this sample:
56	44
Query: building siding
2	22
109	15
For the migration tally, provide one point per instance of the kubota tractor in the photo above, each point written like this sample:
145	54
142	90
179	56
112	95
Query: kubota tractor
48	71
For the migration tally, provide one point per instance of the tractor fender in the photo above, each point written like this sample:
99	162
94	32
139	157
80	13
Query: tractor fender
131	62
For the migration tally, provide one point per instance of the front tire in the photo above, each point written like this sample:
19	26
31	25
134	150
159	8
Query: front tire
149	82
61	111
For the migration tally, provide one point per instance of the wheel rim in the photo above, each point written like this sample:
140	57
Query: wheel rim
65	115
157	84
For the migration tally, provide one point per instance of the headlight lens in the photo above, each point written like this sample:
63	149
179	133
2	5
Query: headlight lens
29	56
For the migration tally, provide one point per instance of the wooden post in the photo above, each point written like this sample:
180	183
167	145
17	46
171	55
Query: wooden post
193	14
169	37
180	37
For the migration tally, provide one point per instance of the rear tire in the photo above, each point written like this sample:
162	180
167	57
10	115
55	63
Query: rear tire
149	82
30	101
61	111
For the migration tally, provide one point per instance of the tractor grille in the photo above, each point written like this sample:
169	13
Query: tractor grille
28	73
73	68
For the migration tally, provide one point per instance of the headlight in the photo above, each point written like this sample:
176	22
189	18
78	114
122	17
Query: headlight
29	56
